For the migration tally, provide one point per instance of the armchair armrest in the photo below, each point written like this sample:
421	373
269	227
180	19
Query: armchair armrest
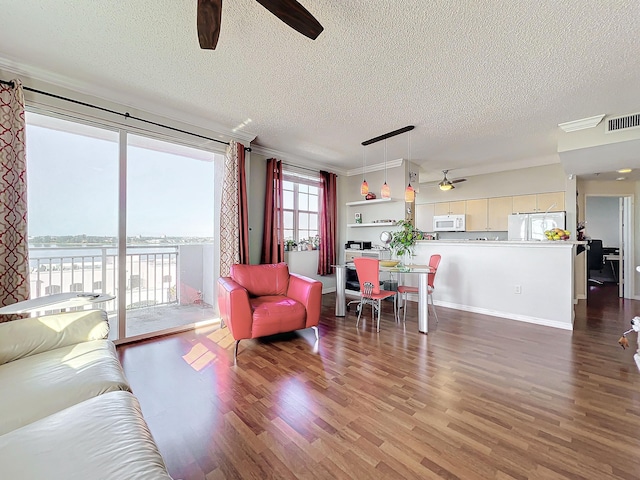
235	309
308	292
30	336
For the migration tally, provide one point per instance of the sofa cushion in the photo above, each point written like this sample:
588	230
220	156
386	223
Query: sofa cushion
259	280
105	437
276	314
42	384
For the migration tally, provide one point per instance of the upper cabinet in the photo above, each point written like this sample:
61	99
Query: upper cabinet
498	214
450	208
476	220
542	202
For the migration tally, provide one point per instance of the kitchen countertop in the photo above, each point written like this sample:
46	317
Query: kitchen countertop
542	243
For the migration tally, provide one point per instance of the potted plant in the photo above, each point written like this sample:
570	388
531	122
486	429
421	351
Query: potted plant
302	244
315	241
403	240
290	245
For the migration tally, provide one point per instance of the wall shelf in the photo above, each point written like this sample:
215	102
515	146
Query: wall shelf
369	202
379	224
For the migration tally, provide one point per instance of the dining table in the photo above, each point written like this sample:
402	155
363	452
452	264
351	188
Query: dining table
421	271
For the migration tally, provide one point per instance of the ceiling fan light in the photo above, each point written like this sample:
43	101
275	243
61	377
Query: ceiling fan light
446	186
386	191
364	188
409	194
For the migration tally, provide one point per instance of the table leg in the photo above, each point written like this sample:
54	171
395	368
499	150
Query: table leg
341	275
423	306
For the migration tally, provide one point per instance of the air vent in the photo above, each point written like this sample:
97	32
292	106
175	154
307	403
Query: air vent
622	123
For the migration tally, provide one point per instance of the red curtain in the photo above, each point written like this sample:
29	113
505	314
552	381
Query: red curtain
273	234
243	220
328	215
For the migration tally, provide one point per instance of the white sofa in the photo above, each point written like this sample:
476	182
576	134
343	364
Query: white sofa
66	409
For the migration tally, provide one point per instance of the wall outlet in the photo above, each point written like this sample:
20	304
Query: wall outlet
518	289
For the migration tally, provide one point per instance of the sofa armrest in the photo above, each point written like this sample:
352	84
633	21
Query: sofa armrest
235	309
30	336
308	292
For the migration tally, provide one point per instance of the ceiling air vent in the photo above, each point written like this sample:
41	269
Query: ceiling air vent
622	123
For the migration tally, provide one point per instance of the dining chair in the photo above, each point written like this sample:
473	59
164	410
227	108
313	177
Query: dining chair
368	270
434	262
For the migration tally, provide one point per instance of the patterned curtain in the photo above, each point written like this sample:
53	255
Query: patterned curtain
234	231
14	248
273	234
328	215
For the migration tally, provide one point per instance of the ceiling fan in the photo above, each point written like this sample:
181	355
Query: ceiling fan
289	11
447	184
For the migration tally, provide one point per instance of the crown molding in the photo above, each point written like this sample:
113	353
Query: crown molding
375	167
46	81
581	124
296	160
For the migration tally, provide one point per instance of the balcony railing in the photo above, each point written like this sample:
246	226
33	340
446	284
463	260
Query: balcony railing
151	273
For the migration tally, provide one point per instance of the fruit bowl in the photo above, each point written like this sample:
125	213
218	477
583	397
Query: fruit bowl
389	263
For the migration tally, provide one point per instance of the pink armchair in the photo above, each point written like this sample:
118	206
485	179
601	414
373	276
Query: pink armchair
260	300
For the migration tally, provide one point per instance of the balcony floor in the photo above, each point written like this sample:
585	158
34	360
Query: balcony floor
142	321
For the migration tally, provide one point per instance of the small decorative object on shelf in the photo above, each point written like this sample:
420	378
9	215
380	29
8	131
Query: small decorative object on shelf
358	218
370	196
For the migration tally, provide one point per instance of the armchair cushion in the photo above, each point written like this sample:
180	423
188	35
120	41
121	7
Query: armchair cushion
276	314
262	280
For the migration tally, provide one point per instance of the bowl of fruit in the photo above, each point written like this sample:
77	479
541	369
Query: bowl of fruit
556	234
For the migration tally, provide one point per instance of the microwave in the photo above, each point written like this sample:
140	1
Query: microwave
449	223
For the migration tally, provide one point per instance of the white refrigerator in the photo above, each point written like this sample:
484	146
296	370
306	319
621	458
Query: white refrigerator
531	226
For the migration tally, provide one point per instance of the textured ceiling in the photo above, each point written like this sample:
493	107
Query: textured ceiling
485	82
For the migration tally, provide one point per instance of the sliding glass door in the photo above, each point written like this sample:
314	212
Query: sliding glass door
89	189
170	229
72	195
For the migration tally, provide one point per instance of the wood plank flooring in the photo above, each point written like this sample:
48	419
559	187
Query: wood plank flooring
478	398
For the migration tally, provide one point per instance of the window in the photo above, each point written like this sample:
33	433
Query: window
301	201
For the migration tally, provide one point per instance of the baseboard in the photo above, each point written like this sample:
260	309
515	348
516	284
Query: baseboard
494	313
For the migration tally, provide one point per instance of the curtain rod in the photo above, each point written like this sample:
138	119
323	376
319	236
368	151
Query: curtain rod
388	135
125	115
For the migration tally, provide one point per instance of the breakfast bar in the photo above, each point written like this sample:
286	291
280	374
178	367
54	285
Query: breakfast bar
529	281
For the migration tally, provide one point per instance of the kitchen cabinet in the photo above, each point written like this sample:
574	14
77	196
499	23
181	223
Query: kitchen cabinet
424	216
499	209
524	204
552	202
476	220
450	208
538	203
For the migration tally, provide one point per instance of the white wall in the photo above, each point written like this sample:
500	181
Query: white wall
481	277
603	219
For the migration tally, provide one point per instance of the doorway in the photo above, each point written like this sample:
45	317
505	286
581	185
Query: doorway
609	223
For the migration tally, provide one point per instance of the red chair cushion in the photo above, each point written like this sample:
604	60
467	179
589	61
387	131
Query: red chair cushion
259	280
276	314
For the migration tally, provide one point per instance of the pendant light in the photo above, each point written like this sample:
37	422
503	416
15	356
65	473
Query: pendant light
364	188
386	191
409	192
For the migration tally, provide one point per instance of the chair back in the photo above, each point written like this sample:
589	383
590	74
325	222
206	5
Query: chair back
434	261
368	270
595	255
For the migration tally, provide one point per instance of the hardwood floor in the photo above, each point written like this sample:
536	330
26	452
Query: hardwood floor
478	398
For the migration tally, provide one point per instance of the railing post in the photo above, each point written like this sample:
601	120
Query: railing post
103	282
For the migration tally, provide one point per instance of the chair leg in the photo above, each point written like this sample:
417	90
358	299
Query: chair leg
433	307
379	308
235	351
404	305
315	329
359	313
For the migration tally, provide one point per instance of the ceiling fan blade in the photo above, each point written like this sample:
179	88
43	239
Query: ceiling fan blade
209	17
458	180
294	15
